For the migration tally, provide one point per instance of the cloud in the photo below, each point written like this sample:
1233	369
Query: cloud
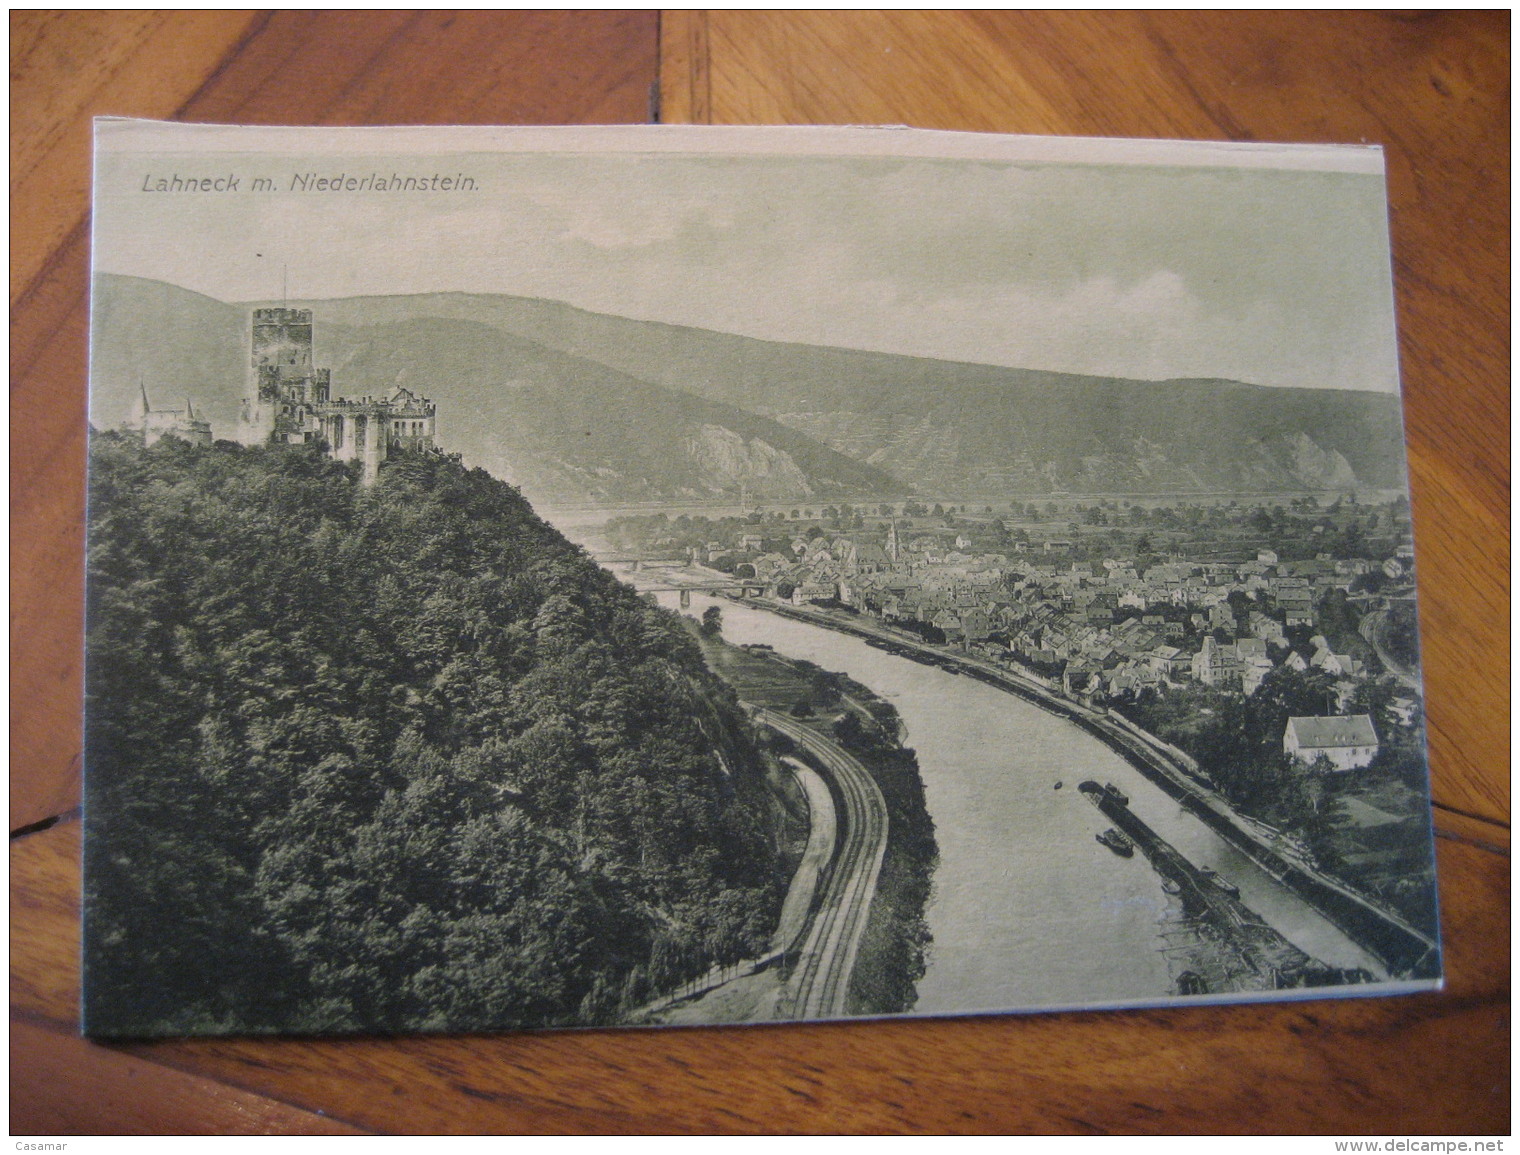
1279	278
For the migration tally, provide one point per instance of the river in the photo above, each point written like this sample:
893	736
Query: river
1028	910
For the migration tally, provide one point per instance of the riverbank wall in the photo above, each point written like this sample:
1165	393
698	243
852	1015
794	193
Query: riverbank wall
1402	949
1275	963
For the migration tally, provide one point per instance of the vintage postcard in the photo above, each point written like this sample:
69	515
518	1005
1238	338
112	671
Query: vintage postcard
640	576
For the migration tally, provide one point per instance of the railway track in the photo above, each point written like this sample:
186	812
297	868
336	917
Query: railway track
1371	629
822	977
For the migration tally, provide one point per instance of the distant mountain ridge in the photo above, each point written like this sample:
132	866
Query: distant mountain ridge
948	426
561	428
576	405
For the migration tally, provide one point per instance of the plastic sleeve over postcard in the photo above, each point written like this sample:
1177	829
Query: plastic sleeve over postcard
555	577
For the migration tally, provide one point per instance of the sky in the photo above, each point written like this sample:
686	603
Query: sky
1273	276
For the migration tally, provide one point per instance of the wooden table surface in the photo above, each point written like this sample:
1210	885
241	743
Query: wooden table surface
1432	89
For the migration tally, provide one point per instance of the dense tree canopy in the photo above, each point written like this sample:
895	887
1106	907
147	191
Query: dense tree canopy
389	758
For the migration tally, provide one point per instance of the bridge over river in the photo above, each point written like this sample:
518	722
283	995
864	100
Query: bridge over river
679	577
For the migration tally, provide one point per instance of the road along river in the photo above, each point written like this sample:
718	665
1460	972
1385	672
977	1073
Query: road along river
1028	909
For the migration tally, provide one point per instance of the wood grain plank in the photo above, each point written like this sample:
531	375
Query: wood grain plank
1433	89
70	66
1479	832
477	67
45	900
49	333
63	1085
1462	550
346	67
1336	1065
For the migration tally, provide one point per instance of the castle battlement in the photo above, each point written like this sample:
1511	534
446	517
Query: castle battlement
289	401
282	316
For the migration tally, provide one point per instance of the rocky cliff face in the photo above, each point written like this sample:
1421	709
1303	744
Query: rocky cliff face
1117	437
1316	467
725	461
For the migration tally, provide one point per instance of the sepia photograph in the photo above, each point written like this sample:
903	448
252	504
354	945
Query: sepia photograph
675	576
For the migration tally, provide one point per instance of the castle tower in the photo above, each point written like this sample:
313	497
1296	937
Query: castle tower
280	378
283	337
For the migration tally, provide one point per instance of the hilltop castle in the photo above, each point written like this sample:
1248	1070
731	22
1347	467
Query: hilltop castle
289	401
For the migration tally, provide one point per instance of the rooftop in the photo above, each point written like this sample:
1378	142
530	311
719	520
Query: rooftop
1319	733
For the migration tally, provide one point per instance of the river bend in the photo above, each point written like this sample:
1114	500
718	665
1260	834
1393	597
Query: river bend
1028	910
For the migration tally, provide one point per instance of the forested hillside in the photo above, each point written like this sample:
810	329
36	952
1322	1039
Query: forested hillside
391	758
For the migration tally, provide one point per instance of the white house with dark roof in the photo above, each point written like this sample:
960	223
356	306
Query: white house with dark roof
1349	742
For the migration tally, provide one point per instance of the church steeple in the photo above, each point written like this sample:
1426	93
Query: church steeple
140	407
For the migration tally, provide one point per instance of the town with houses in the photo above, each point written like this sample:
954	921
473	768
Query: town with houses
1101	629
1115	603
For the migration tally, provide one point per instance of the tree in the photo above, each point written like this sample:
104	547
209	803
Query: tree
849	732
712	622
826	690
1370	582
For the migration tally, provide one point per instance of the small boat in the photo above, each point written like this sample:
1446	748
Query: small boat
1058	785
1171	886
1212	875
1117	842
